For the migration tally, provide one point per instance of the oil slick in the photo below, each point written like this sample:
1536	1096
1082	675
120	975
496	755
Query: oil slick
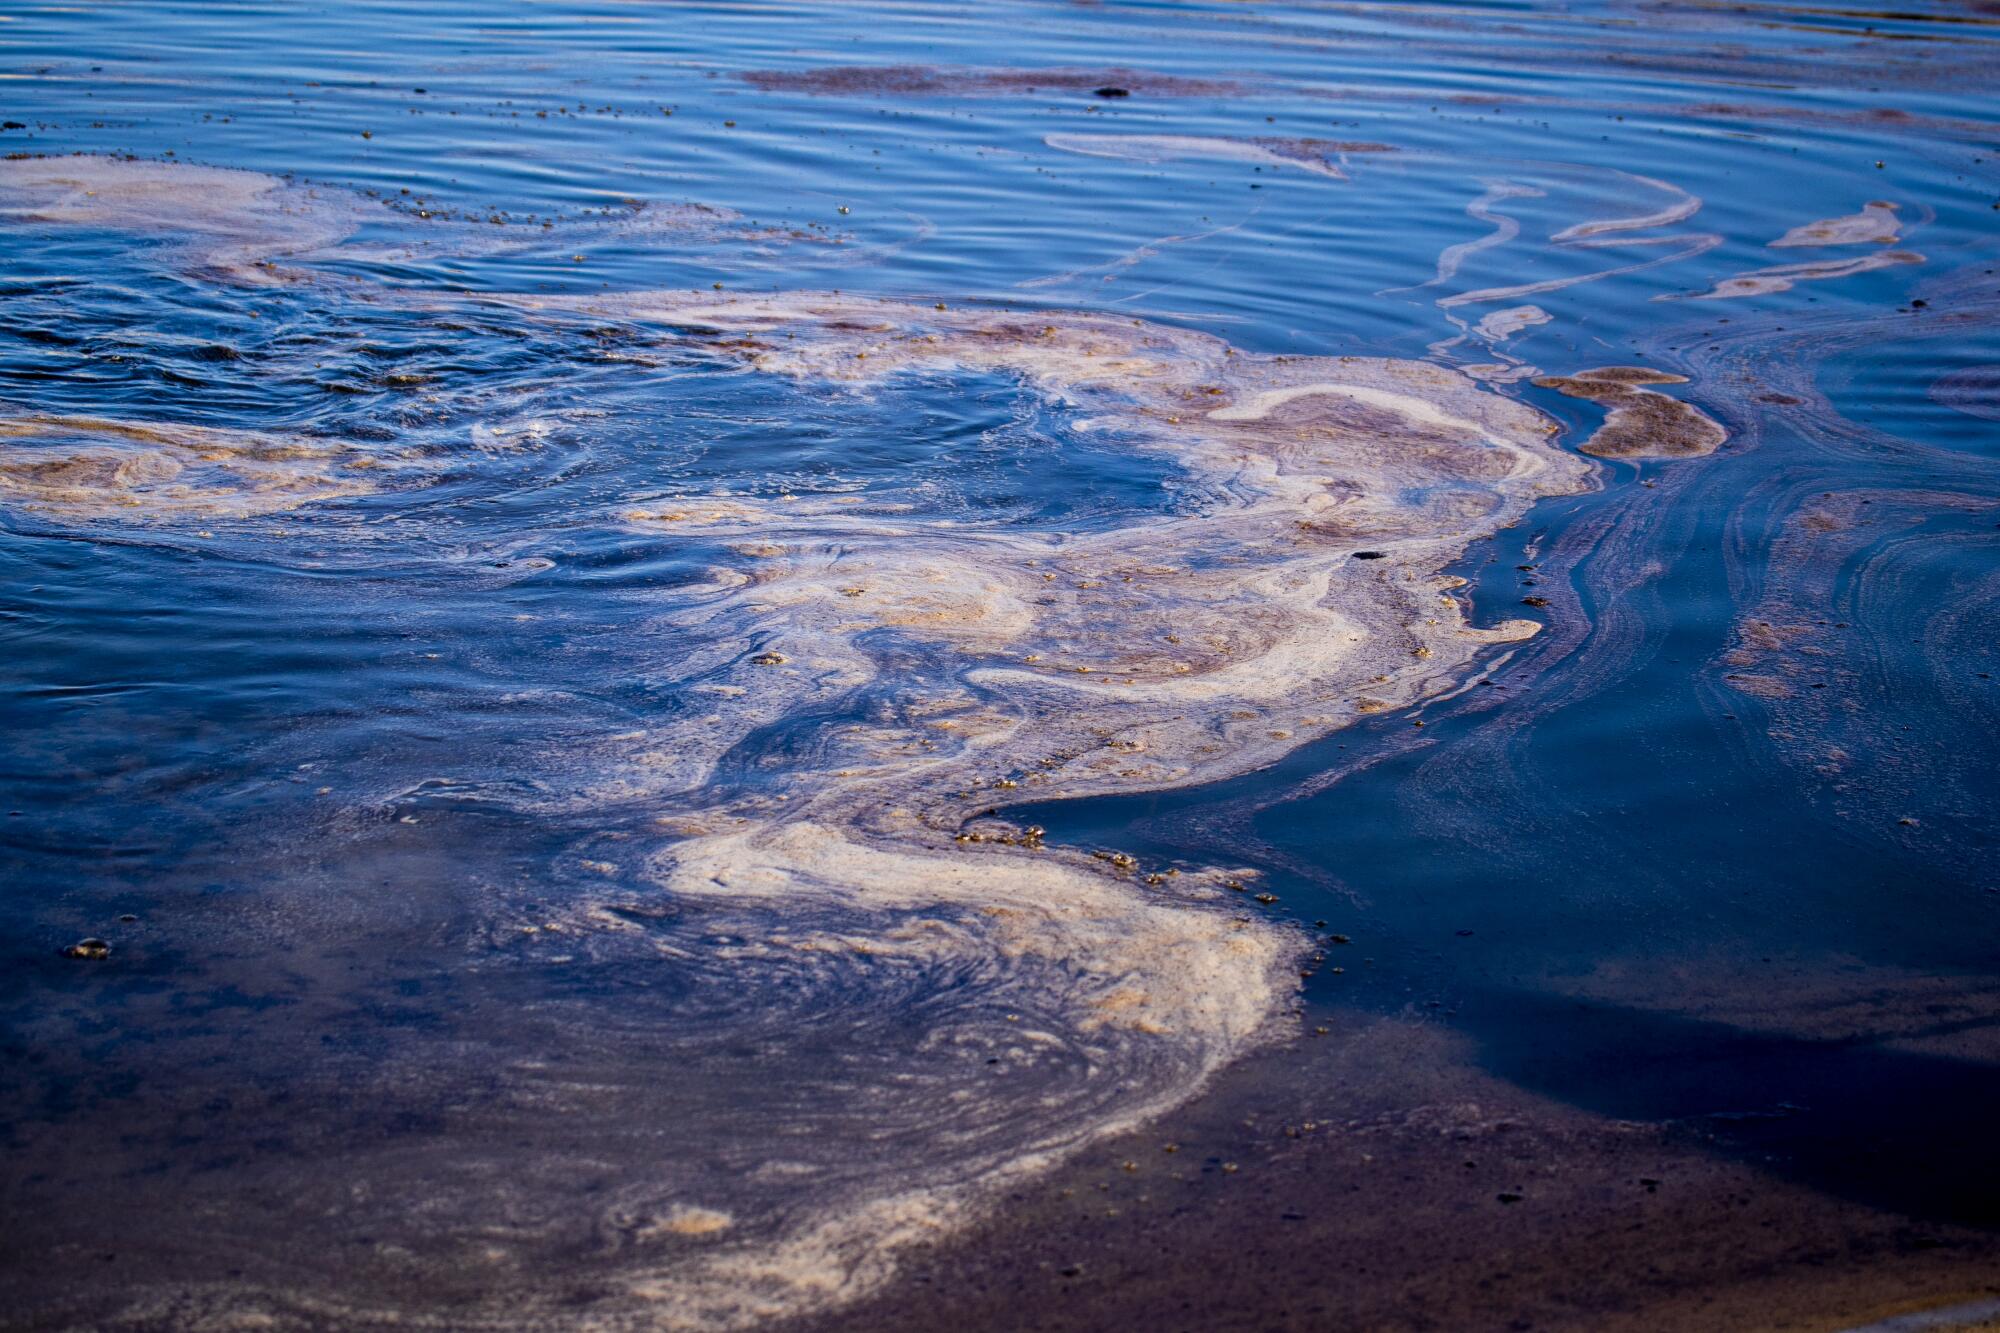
573	769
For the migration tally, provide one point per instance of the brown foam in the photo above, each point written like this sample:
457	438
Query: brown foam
97	467
1641	423
1765	281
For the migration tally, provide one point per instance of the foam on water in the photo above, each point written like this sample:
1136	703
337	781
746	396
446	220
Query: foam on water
549	742
1875	224
91	467
249	228
1321	157
239	223
866	864
1178	649
1642	422
1783	277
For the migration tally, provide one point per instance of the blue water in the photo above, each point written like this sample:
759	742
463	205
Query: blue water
326	759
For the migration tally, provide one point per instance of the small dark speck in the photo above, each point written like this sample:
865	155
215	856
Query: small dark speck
1113	92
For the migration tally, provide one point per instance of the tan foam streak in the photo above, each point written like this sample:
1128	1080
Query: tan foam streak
1683	206
1598	234
1505	227
238	225
1694	245
244	220
96	467
1875	224
1500	325
1766	281
1259	406
1305	155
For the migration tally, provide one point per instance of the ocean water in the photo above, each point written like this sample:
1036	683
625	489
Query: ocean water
673	644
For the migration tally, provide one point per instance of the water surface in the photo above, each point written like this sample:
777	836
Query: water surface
678	647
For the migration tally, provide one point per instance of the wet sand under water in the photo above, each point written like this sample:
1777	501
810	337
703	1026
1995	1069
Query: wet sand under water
1410	1190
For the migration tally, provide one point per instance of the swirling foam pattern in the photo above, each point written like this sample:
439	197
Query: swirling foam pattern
1063	998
